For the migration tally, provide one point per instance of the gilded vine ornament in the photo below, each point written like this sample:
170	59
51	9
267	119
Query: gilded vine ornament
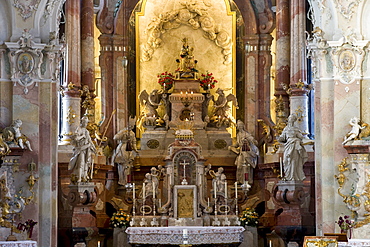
71	115
352	200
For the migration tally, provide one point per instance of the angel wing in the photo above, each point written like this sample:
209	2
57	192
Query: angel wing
143	97
233	99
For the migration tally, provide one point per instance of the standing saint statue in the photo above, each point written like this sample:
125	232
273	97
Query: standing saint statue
295	154
247	151
82	162
125	152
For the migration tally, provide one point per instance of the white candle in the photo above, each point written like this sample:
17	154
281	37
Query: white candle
225	189
153	190
208	202
143	190
185	232
270	243
236	189
281	167
160	203
98	243
214	189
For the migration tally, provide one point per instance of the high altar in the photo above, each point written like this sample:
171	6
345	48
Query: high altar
176	194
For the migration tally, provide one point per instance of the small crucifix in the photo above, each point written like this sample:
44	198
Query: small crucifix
184	182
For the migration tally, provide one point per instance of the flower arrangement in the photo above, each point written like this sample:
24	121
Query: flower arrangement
120	219
249	217
27	226
207	81
344	223
166	80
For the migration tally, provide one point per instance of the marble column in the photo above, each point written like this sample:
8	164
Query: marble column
71	101
107	75
298	68
282	61
87	56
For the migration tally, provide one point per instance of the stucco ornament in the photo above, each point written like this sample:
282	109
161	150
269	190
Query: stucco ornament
26	7
347	7
194	14
347	56
25	58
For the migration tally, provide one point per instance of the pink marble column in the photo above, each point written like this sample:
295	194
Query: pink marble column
298	66
282	56
73	37
298	69
87	58
87	44
71	99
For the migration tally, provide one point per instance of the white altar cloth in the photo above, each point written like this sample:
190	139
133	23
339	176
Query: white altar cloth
193	235
18	244
355	242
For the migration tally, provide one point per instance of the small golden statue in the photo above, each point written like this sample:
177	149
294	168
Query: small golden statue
186	62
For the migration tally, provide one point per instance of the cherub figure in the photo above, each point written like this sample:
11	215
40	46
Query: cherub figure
13	134
355	131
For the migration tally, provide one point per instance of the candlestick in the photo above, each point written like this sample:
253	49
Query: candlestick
236	189
153	190
225	189
281	167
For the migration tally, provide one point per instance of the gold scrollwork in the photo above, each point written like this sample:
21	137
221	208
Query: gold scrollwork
71	115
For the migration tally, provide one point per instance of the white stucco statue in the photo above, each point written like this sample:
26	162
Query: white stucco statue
247	151
355	131
295	154
219	179
125	152
82	161
13	134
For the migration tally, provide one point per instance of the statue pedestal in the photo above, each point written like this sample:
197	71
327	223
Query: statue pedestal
292	197
78	222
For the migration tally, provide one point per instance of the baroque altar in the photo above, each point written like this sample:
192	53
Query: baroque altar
183	199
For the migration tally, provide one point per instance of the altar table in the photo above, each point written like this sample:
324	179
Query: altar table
18	244
175	235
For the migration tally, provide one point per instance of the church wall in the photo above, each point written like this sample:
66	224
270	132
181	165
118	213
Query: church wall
36	107
339	96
